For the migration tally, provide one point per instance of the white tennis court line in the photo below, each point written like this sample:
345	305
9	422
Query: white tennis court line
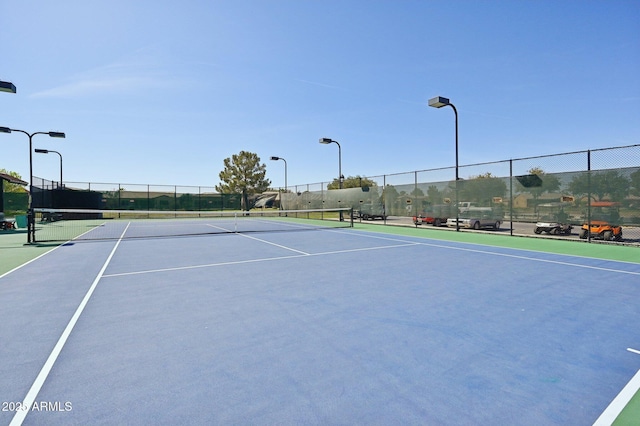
274	244
266	259
635	351
30	261
257	220
611	413
220	228
28	401
207	265
403	243
558	262
47	252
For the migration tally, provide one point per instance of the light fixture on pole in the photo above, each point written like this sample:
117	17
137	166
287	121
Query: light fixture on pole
274	158
30	217
7	86
46	151
439	102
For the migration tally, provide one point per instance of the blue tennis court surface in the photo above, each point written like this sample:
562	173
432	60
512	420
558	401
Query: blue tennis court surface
314	327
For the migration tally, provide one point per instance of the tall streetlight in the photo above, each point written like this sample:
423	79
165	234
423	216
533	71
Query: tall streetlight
327	141
30	217
439	102
274	158
46	151
7	86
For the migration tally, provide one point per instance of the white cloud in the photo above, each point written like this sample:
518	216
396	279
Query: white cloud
85	88
113	78
314	83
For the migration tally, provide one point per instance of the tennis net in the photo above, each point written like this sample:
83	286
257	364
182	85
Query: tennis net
82	224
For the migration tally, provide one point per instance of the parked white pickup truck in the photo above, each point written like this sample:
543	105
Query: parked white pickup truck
477	218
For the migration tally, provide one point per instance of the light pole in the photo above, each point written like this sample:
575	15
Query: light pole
46	151
327	141
30	217
439	102
7	86
274	158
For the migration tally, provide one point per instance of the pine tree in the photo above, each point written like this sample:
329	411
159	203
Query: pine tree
243	174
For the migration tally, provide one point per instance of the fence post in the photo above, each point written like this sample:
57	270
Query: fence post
384	198
589	195
511	197
415	207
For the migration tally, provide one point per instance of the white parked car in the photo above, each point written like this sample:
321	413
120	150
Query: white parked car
477	218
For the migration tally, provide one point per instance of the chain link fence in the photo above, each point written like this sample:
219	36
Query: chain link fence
115	196
593	194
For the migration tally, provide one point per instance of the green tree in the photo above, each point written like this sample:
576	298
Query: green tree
482	189
243	174
352	182
417	193
434	195
548	183
389	196
635	182
601	184
12	187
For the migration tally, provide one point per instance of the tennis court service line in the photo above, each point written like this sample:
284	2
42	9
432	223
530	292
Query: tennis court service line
28	401
274	244
266	259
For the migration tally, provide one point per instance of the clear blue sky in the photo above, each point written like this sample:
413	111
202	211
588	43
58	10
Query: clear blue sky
160	92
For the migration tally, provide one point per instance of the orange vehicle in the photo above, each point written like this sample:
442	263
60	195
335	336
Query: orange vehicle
435	215
604	214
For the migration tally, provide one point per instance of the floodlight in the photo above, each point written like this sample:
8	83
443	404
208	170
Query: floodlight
438	102
7	86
